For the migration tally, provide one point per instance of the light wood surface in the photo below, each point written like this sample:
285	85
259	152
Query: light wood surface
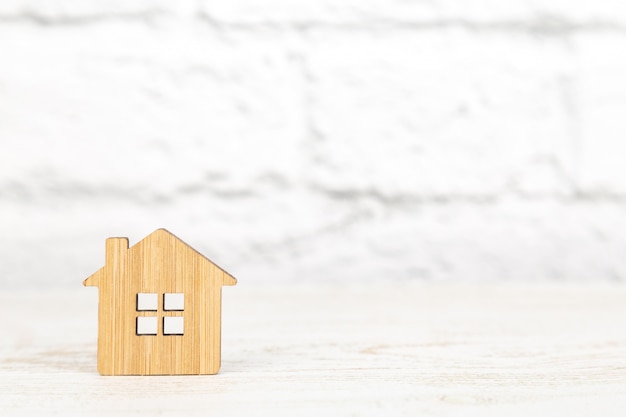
427	350
159	264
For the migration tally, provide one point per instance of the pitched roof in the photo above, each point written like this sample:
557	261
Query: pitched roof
93	279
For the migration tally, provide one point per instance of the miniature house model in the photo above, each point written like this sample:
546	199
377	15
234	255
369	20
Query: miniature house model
160	306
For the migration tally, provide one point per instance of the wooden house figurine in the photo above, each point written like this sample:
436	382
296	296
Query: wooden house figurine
160	308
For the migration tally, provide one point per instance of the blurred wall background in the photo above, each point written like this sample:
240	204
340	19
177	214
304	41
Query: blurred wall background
314	140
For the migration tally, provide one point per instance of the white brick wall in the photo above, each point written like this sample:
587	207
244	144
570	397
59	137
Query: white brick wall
316	140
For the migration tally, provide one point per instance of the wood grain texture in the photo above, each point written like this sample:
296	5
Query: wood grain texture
160	263
402	350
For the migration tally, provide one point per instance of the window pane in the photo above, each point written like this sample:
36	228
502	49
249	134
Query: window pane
173	325
174	301
146	325
147	301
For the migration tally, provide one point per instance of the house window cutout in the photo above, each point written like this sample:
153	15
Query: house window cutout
147	326
174	302
173	325
147	301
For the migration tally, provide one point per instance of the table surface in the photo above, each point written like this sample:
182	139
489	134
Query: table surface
341	350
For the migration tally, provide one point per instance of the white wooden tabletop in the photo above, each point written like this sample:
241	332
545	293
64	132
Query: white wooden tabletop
402	349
